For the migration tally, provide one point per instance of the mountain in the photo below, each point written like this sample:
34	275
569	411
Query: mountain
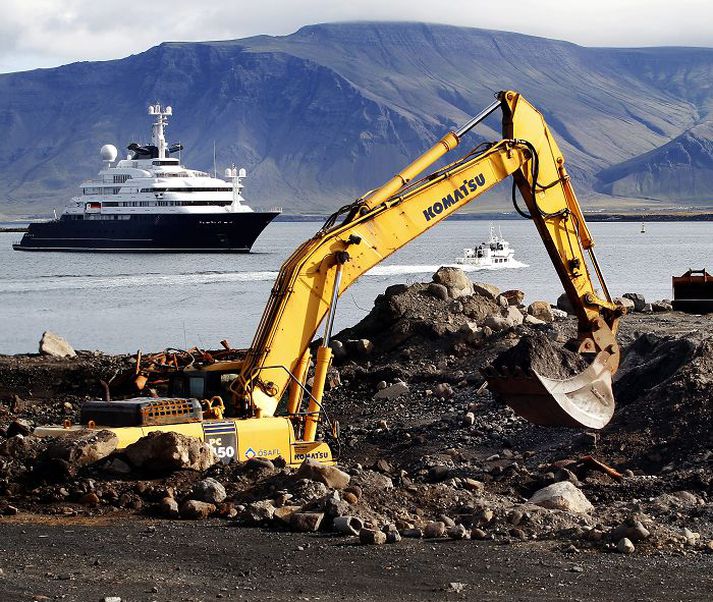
320	116
681	170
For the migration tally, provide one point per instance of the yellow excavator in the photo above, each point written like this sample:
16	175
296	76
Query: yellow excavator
353	240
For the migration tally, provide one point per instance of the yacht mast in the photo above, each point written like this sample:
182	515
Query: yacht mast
158	138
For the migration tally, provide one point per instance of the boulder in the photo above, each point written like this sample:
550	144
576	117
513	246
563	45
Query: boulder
372	480
21	447
18	427
626	303
562	496
497	323
209	490
533	321
502	302
55	346
439	291
434	529
659	306
457	532
355	490
82	448
478	533
469	329
167	451
558	314
393	537
514	296
443	391
89	499
336	507
118	467
455	280
169	507
564	304
638	299
393	391
195	509
486	290
330	476
514	315
372	537
260	512
633	530
360	347
540	310
625	546
395	289
339	351
256	464
306	521
477	308
283	514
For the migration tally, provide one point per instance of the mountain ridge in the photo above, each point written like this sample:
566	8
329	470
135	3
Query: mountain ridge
324	114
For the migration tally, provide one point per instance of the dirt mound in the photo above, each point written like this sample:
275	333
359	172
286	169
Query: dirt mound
665	391
537	352
421	312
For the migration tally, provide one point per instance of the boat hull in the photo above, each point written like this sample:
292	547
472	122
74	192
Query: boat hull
230	232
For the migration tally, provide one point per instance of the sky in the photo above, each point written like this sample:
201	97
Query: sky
48	33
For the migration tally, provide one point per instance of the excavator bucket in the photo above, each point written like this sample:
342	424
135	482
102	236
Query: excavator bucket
585	400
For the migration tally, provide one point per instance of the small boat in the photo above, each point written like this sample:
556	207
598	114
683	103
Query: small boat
643	228
693	292
495	252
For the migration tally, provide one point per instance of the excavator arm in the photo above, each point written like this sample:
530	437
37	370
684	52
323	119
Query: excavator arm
363	234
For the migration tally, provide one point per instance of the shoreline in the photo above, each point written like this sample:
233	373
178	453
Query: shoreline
590	217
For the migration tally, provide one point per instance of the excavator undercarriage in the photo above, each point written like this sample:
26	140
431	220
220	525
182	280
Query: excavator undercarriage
365	232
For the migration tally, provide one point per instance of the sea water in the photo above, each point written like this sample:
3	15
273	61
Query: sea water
123	302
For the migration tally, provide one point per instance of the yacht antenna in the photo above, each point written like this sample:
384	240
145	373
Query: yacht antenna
215	170
161	114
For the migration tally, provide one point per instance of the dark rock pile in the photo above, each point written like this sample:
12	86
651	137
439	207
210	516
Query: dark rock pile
425	450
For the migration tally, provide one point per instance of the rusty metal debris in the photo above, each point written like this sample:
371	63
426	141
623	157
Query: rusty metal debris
153	370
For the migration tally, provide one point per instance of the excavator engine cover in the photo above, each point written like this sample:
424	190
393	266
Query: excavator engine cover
141	411
585	400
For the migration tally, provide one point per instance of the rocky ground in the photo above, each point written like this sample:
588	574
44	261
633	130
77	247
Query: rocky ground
426	453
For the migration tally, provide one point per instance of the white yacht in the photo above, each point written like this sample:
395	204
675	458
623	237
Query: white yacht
495	252
150	202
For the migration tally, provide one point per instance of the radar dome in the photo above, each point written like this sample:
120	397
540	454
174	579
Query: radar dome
108	152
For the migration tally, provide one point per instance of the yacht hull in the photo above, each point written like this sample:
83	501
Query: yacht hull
230	232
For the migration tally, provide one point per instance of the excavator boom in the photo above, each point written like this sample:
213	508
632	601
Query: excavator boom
381	222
